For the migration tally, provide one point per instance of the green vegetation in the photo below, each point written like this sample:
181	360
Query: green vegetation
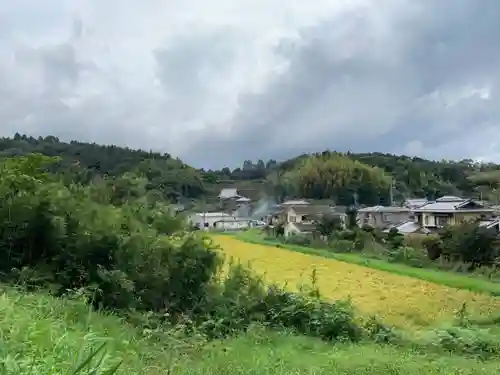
98	276
366	174
44	335
454	280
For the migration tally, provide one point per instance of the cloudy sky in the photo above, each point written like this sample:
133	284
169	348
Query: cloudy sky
216	82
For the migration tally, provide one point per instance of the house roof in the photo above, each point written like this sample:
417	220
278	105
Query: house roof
450	198
489	223
233	220
451	204
407	227
415	202
227	193
243	199
312	209
212	214
388	209
295	203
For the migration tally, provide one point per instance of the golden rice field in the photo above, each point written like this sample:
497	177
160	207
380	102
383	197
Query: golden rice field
399	300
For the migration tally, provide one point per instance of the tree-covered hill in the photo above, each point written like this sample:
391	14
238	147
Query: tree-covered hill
83	162
338	176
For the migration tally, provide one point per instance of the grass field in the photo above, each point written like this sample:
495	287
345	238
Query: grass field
43	335
453	280
397	299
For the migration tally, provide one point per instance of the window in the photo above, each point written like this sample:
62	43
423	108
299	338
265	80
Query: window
205	225
426	220
291	218
441	221
386	217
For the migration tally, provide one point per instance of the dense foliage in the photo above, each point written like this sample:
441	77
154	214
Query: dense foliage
322	175
337	177
81	162
134	255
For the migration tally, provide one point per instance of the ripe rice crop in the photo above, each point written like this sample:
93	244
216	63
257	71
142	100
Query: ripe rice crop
399	300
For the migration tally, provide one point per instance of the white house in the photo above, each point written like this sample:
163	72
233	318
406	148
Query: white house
232	223
206	220
292	229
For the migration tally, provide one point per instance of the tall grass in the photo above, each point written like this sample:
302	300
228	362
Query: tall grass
40	334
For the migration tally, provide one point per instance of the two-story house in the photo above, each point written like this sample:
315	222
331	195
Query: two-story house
382	216
450	210
302	219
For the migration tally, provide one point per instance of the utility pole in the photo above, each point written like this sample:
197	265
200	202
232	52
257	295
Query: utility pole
391	193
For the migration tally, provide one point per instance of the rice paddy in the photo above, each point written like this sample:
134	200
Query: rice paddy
399	300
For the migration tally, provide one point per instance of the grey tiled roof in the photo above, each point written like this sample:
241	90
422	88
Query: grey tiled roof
229	193
388	209
407	227
450	204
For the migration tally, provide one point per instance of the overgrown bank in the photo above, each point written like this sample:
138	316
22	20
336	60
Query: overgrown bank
44	335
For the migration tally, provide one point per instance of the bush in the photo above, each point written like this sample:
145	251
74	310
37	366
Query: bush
469	341
434	247
299	240
244	299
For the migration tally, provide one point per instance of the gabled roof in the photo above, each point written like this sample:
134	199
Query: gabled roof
311	209
243	199
407	227
212	214
387	209
295	203
451	204
450	198
227	193
415	202
489	223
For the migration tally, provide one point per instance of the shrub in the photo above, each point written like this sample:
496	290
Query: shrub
300	240
469	243
244	299
434	247
470	341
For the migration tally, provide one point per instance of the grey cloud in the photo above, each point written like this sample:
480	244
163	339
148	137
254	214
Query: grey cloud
396	76
362	93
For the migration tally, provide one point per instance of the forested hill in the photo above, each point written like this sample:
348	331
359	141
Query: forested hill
82	162
322	175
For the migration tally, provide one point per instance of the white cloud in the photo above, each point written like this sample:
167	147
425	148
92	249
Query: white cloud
216	82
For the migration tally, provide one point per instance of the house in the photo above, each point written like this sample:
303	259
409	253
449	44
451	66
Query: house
207	220
229	193
450	210
382	216
292	229
408	227
233	223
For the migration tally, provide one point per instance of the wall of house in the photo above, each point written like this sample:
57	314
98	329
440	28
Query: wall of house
434	220
465	216
293	217
232	225
382	219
